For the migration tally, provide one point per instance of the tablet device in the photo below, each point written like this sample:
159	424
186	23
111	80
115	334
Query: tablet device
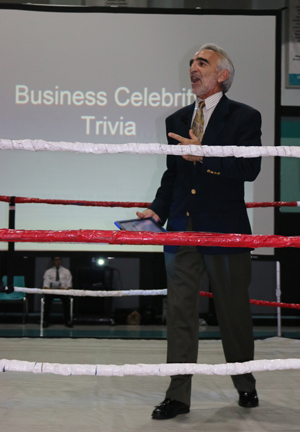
148	224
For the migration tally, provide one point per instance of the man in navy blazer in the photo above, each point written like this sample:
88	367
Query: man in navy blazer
207	194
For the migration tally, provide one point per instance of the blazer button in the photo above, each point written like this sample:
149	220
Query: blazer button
187	213
193	191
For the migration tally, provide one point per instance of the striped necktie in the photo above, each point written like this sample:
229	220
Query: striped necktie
198	123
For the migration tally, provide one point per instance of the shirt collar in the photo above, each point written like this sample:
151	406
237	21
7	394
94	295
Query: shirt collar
211	101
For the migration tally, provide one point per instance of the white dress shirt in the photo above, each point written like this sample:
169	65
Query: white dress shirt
65	278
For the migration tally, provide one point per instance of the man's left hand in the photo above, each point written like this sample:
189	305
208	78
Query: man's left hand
186	141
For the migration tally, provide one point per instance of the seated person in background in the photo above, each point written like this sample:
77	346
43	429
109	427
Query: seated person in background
57	277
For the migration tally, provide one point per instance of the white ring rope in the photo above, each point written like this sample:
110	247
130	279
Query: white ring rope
149	369
143	369
89	293
151	148
138	369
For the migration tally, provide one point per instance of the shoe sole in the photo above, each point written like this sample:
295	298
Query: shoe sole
249	406
159	417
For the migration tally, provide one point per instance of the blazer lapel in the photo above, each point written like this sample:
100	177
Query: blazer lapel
216	122
186	120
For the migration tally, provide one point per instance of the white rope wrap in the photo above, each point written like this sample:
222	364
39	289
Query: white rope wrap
149	369
89	293
151	148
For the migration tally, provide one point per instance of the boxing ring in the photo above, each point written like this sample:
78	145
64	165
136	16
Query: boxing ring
56	384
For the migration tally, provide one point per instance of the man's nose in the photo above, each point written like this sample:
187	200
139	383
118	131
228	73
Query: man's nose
192	66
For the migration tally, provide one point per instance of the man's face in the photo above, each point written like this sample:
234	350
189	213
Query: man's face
57	262
205	79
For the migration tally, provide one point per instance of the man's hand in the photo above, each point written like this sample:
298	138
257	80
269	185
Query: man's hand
185	141
147	214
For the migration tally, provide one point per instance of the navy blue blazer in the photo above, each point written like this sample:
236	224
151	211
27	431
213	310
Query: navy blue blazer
212	192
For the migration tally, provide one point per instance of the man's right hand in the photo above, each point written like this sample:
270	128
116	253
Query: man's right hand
147	214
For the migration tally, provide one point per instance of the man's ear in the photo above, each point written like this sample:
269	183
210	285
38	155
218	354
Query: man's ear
223	75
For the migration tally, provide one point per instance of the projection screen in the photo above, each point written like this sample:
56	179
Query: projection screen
112	77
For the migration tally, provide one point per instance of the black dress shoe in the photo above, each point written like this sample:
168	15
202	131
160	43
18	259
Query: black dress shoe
248	400
169	408
69	324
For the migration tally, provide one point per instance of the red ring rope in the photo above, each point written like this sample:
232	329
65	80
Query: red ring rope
207	239
145	237
261	302
20	200
23	200
272	204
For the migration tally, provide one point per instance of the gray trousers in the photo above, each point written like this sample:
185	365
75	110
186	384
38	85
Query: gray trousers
229	278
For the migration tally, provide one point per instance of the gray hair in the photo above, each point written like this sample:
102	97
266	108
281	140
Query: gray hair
224	62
